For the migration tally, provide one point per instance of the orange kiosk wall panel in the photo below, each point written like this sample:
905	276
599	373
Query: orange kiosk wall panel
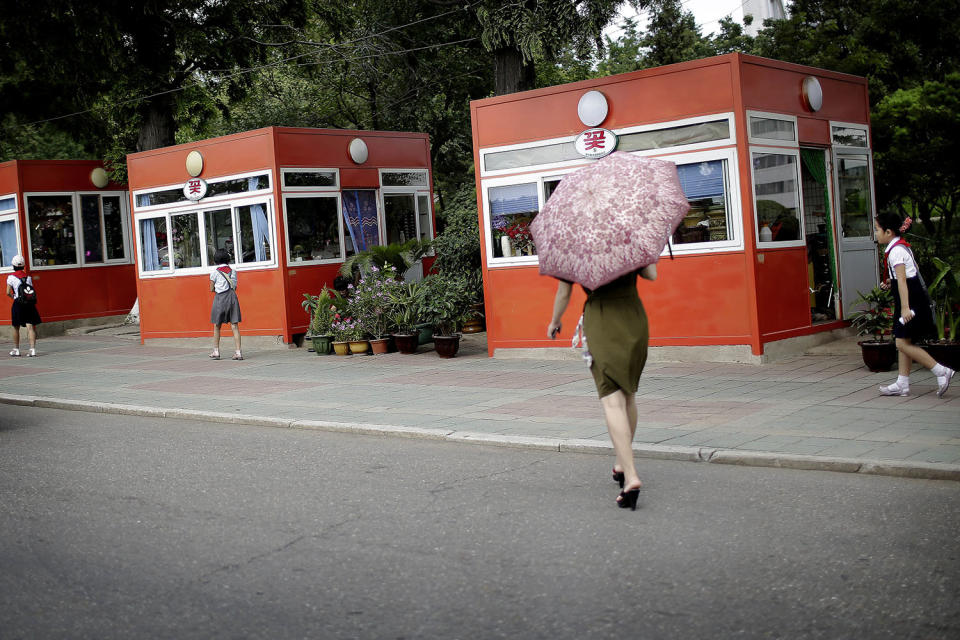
74	292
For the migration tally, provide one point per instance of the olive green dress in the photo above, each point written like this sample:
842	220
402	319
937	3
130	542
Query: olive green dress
617	335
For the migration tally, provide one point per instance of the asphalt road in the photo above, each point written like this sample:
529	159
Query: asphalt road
121	527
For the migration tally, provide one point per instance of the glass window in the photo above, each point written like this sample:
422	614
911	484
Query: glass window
92	229
675	136
400	216
309	178
218	226
237	185
154	198
772	128
544	154
776	196
849	136
8	204
113	227
423	210
313	228
549	186
709	219
254	233
155	254
403	179
363	225
52	237
8	240
512	209
853	192
186	241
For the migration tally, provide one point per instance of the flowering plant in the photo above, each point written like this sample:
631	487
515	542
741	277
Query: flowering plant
374	297
346	329
520	236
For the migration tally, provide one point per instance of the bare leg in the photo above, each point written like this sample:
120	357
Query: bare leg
216	338
618	425
16	338
631	404
235	327
908	353
31	336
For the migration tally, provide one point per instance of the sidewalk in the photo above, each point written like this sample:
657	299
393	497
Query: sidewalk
811	412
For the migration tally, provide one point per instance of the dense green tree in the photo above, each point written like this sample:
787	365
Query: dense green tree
672	36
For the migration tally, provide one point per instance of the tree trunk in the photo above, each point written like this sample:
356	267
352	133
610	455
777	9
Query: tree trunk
511	73
158	128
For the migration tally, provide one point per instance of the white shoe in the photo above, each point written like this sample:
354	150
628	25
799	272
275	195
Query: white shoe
15	353
32	354
943	382
894	390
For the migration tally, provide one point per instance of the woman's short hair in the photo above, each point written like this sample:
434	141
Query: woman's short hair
221	256
890	221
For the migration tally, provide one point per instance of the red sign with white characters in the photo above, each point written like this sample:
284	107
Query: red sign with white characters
195	188
595	143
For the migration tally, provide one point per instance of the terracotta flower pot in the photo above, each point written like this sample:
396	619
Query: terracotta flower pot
341	348
406	342
447	346
380	345
878	356
359	346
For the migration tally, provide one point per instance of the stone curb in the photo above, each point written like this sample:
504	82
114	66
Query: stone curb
895	468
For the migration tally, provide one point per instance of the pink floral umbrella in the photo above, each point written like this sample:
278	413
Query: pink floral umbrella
608	219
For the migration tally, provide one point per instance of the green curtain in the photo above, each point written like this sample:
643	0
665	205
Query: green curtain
813	160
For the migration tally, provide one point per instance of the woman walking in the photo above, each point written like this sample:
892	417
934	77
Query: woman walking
615	325
24	312
913	318
226	306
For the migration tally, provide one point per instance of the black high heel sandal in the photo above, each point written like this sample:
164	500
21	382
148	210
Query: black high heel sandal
628	499
618	477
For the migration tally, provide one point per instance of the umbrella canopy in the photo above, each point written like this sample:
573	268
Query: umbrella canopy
608	219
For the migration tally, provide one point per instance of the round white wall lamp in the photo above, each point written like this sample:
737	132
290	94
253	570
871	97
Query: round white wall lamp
194	163
812	93
99	178
592	108
358	151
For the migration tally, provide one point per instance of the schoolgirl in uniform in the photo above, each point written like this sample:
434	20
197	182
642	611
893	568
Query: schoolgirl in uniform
913	319
226	305
22	315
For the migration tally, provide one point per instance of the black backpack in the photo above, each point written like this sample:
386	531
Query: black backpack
26	294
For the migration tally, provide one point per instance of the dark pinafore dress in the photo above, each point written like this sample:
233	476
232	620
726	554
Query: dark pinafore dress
922	325
618	334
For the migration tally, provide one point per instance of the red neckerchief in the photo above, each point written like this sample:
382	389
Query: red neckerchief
224	269
886	266
21	275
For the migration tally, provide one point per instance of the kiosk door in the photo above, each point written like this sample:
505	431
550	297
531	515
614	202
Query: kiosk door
858	251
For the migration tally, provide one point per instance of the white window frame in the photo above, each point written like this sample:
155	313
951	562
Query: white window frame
418	187
124	223
286	170
773	142
786	151
734	203
203	202
414	190
850	125
12	214
556	166
75	204
198	211
334	195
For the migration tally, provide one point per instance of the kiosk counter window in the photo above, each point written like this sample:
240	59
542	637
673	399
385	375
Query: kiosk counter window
77	229
775	168
406	205
9	232
185	240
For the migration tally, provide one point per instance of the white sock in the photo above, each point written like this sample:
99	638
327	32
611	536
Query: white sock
939	370
903	381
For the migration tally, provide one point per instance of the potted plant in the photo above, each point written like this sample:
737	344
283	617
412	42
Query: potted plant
322	309
346	332
876	320
372	303
945	292
446	305
405	313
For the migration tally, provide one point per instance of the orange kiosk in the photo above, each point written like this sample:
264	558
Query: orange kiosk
70	223
289	205
774	157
